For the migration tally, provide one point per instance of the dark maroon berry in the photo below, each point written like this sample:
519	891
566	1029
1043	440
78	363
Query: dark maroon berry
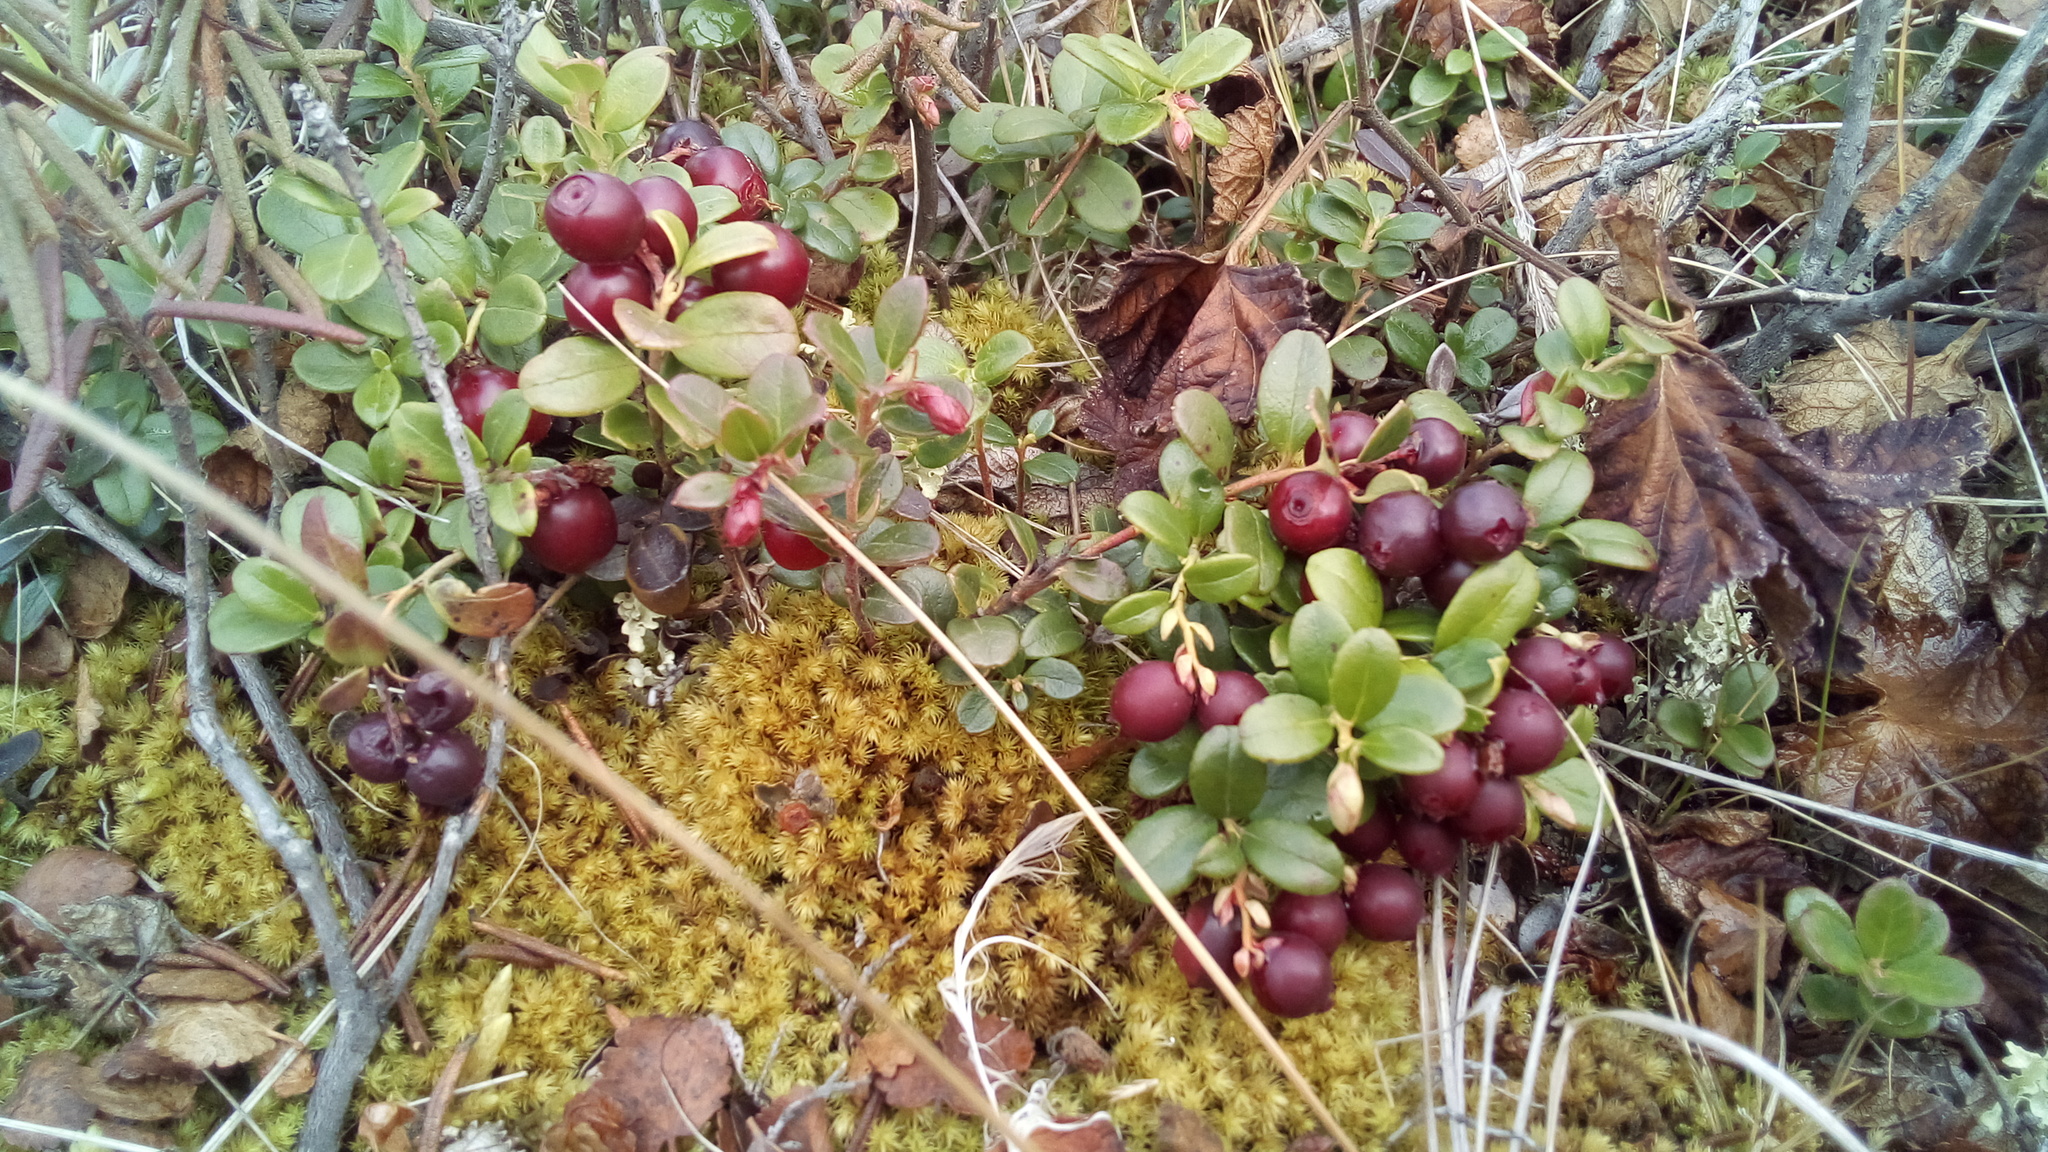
1320	919
446	770
1370	840
373	753
1615	663
1350	430
1310	511
782	272
595	218
1483	521
693	290
1530	731
1220	937
1445	792
1398	535
476	386
1427	846
660	192
1295	980
730	169
691	135
1235	692
436	702
1495	814
573	530
791	548
590	290
1387	904
1562	673
648	474
1148	702
942	408
1437	449
1441	583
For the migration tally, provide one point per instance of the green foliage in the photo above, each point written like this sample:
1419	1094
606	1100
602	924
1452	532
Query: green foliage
1885	968
1734	734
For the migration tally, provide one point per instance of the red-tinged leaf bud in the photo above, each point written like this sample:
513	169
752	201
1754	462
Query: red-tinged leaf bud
1182	134
742	524
948	415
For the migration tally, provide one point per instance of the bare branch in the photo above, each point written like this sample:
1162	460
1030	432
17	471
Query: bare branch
799	95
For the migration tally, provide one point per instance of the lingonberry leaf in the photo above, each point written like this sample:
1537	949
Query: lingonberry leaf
1223	779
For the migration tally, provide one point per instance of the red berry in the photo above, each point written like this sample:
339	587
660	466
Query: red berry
947	414
1310	511
446	771
1441	583
1495	814
1220	937
373	752
574	530
693	291
1563	674
1615	662
1373	836
660	192
1426	845
730	169
1295	980
1235	692
742	523
437	702
791	548
477	386
590	290
782	272
1530	731
1445	792
1437	449
1398	535
1483	521
1320	919
1350	430
595	218
693	135
1148	702
1387	904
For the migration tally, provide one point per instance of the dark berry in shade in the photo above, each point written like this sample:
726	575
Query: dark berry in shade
1497	813
730	169
1373	836
660	192
573	530
791	548
1483	521
693	290
1427	846
1387	904
1235	692
782	272
1148	701
477	386
1310	512
1295	980
1437	449
1562	673
1350	430
1317	918
373	753
696	135
1220	937
595	218
1530	731
1445	792
1615	664
1441	583
436	702
446	770
589	292
1397	533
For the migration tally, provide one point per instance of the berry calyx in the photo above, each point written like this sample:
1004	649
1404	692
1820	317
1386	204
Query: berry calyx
1397	533
1148	701
1427	846
1309	512
730	169
574	530
792	549
476	386
1350	431
1320	919
1387	904
595	218
1295	980
1447	791
782	271
436	702
1483	521
1563	674
1497	813
1235	692
947	414
373	752
590	290
662	193
1220	937
1530	731
689	135
446	770
1436	449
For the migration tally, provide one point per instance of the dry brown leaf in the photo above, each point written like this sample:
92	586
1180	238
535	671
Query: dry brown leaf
908	1082
1077	1049
1861	383
297	1077
2023	274
1668	17
1238	170
662	1079
1629	60
47	1094
1095	1133
1727	848
213	1034
240	475
382	1126
1789	183
95	593
1182	1129
1938	224
65	877
199	984
489	611
1719	1011
144	1100
1476	143
1728	928
809	1131
135	1061
1443	25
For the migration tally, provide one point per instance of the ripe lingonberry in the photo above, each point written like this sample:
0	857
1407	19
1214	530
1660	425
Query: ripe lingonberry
1441	583
1530	731
1350	431
590	290
1447	791
574	529
1372	837
1387	903
1235	692
446	770
1495	814
1148	701
595	218
1438	450
1562	673
782	271
1615	663
791	548
1427	846
1317	918
660	192
1398	535
1295	980
730	169
1483	521
691	135
477	385
437	702
1309	511
1219	937
373	752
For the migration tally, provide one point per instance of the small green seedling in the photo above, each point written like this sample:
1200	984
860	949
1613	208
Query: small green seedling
1885	969
1754	149
1734	737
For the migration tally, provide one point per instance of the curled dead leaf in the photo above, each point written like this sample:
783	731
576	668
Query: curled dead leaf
213	1034
381	1126
1442	24
141	1099
1862	382
65	877
95	594
490	611
1238	170
47	1093
1727	933
661	1080
199	984
1719	1011
239	475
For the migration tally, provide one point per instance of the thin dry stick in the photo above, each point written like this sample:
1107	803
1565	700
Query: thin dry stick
444	1095
540	947
1087	808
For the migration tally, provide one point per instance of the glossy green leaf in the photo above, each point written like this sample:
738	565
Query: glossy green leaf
1340	578
1294	388
1747	692
989	641
1223	779
729	334
1138	613
1582	311
1165	845
1824	931
1205	424
1615	545
1294	856
1313	638
1120	122
516	310
1494	603
1054	677
1105	195
1930	979
344	267
1568	793
1208	57
1365	675
579	376
1161	522
1222	577
1893	922
1285	728
1402	750
1422	700
1161	766
1557	488
1685	721
233	626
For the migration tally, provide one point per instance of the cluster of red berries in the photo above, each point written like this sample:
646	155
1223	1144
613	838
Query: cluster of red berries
442	767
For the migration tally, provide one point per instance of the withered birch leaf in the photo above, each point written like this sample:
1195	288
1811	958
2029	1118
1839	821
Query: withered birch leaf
47	1094
213	1034
666	1075
1238	170
1441	23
